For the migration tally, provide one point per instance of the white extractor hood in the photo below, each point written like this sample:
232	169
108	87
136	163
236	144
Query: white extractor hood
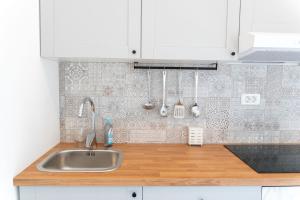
269	47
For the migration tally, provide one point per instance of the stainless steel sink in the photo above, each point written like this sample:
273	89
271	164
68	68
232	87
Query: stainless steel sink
81	160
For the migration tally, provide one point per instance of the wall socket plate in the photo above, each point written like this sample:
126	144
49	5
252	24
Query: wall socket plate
250	99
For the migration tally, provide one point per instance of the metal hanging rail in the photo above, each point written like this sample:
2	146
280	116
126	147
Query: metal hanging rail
213	66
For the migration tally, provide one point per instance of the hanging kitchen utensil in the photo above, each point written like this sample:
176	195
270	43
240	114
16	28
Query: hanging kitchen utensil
164	109
179	107
149	105
195	108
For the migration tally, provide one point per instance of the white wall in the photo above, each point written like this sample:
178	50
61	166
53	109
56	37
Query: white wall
29	111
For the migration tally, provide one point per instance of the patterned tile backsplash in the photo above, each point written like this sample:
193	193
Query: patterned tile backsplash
119	91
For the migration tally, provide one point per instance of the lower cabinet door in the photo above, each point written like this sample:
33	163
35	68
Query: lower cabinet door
80	193
281	193
201	193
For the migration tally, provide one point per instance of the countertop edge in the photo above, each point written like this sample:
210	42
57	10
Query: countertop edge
161	182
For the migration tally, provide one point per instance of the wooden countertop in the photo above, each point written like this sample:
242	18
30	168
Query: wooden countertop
163	165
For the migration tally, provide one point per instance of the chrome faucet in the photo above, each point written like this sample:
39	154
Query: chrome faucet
90	140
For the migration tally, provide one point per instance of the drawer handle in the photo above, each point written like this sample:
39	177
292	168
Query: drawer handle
133	195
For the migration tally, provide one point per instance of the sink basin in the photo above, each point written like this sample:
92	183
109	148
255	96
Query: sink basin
81	160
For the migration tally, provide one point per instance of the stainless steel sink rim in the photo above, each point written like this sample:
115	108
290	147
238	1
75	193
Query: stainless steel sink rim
41	165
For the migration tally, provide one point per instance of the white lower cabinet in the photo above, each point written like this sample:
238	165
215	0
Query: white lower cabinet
80	193
281	193
202	193
141	193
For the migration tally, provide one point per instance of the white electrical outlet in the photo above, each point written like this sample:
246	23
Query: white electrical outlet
250	99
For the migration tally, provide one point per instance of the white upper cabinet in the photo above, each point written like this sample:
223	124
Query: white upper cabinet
190	29
269	16
91	28
160	29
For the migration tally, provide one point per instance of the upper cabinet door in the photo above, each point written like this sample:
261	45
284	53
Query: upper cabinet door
190	29
91	28
271	16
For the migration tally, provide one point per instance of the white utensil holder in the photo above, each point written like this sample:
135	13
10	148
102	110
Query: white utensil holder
195	136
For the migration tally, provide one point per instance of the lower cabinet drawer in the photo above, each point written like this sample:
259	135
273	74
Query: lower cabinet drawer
80	193
201	193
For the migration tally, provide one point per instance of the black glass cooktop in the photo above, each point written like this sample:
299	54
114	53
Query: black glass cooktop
269	158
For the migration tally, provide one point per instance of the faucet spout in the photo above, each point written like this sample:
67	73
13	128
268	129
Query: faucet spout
90	140
91	137
84	101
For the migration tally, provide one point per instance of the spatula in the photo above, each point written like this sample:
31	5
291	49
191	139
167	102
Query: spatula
179	107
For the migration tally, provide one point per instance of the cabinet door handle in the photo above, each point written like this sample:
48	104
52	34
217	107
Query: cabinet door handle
233	53
133	194
133	51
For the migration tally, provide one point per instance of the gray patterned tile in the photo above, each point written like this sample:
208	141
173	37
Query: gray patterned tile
115	71
220	86
214	136
271	137
289	136
291	77
76	77
245	137
119	91
177	135
273	88
120	135
255	86
147	136
217	113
